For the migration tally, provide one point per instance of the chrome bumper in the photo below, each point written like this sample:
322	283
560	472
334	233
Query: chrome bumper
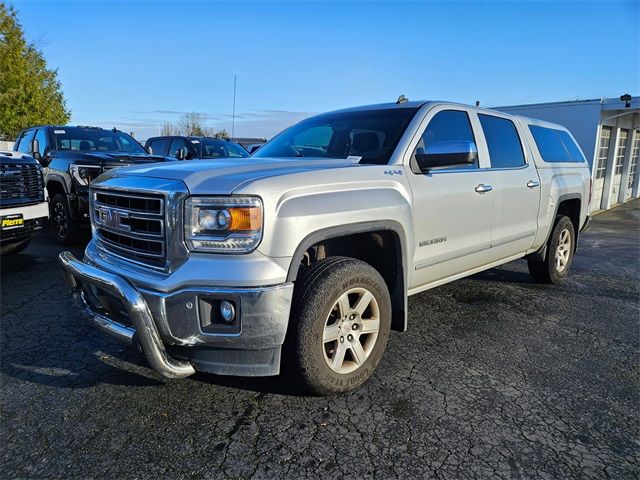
146	332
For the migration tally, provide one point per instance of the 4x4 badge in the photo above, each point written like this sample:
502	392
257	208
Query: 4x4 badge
393	172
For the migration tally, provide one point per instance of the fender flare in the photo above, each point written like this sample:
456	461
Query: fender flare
56	178
399	298
542	251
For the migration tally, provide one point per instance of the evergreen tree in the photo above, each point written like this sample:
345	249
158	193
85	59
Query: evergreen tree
30	93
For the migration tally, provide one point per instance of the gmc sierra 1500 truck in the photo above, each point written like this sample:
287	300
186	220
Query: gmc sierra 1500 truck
303	256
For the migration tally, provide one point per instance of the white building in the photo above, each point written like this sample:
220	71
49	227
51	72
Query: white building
608	133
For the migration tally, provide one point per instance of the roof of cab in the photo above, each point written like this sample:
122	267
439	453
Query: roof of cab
383	106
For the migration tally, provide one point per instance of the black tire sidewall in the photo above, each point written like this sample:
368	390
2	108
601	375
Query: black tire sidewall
561	224
70	237
310	317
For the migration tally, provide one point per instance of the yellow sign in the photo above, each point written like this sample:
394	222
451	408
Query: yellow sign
9	222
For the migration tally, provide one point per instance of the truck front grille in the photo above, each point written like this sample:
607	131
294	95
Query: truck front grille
131	225
20	184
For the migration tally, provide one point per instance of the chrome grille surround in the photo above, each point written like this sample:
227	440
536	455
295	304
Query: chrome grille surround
137	221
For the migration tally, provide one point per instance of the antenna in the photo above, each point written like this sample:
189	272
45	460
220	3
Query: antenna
401	99
233	116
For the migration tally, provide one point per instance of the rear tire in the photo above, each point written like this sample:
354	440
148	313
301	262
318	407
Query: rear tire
561	245
64	230
339	327
14	248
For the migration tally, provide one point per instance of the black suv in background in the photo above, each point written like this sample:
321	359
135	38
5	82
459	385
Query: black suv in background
188	148
73	157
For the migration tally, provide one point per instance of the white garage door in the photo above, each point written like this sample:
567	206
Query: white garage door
634	164
619	164
601	167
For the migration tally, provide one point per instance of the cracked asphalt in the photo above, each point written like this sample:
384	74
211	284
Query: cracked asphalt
497	377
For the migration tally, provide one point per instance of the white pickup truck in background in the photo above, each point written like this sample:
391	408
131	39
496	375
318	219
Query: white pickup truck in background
305	254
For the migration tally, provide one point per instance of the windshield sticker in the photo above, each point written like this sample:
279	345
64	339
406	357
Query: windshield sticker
354	158
59	132
195	141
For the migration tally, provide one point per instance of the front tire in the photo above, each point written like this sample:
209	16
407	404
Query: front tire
340	324
64	230
555	267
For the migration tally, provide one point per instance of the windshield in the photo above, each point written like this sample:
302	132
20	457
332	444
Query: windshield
214	148
95	140
369	135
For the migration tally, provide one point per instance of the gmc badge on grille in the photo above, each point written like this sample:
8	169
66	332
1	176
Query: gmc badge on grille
112	218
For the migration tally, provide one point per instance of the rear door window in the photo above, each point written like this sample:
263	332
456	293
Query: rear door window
555	145
503	141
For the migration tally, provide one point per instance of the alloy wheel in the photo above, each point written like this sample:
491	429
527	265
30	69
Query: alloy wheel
563	252
351	330
60	220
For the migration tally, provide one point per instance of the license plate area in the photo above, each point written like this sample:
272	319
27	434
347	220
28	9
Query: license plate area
11	222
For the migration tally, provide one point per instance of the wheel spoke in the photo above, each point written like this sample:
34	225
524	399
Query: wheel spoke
370	326
344	327
338	356
358	354
343	305
331	333
363	302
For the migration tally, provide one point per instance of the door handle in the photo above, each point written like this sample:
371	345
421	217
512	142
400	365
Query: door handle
482	188
533	184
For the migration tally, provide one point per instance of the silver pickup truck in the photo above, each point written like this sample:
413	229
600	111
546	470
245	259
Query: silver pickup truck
302	257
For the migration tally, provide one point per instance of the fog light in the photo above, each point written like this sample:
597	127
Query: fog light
227	311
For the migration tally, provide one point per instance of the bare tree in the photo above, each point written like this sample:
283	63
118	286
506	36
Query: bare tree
168	129
223	134
191	123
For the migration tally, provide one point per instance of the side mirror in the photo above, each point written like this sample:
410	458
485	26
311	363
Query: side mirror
446	154
182	154
35	149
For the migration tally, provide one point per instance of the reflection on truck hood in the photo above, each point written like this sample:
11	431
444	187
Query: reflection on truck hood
226	175
109	158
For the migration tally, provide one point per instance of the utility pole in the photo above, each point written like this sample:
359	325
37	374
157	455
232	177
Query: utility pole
233	116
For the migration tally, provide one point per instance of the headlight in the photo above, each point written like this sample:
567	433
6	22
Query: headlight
223	224
85	174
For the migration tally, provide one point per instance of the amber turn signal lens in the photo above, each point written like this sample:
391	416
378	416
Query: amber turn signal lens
244	219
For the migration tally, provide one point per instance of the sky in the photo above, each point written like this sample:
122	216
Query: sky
136	64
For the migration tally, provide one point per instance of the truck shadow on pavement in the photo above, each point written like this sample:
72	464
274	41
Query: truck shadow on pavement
502	274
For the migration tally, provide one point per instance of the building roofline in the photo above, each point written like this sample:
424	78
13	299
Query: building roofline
610	103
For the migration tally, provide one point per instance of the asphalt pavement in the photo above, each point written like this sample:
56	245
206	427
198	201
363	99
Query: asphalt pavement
497	377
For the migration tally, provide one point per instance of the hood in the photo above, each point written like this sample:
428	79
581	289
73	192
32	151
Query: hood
223	176
110	158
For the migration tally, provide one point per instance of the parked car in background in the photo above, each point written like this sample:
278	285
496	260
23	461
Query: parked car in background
304	256
23	205
73	157
254	147
190	148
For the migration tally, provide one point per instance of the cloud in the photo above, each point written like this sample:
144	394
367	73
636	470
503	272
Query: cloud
254	123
